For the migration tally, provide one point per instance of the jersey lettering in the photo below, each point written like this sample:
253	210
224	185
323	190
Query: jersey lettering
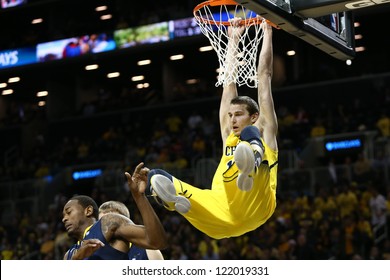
229	151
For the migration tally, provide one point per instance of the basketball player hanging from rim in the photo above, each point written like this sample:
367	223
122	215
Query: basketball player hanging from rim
243	192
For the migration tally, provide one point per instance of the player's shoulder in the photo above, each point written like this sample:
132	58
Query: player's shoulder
114	219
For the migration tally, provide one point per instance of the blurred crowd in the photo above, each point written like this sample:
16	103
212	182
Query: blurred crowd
347	222
346	219
176	133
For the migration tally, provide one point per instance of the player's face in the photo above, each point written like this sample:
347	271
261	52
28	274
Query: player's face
239	118
73	217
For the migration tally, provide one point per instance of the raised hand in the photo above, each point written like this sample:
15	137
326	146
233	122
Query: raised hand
138	181
235	28
266	26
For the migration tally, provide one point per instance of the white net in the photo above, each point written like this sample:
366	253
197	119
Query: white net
240	66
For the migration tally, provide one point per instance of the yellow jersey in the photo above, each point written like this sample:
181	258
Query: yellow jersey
226	211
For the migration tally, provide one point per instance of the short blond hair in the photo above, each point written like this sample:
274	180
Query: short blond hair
114	206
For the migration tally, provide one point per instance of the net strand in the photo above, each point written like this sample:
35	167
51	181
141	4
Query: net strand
244	60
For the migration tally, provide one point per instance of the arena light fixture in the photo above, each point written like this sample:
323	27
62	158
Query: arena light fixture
13	80
137	78
358	36
42	93
360	49
113	75
41	103
3	85
206	49
37	20
100	8
144	85
291	53
8	91
177	57
144	62
91	67
106	17
192	81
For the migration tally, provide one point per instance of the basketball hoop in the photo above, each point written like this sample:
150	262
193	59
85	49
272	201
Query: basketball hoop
214	17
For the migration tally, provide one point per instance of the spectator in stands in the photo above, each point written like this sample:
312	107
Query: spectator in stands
318	129
374	253
351	238
174	123
208	249
362	170
378	207
383	125
194	121
347	202
303	249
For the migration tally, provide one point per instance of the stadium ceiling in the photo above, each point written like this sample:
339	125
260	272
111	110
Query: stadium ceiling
67	18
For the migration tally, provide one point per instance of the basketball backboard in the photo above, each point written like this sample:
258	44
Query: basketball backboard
331	31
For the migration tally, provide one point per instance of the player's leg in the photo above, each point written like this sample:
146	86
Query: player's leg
248	156
160	183
207	210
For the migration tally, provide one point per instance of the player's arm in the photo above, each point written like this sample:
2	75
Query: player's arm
230	90
267	122
83	251
154	254
151	235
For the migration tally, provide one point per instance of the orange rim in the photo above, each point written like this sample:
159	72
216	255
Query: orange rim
213	3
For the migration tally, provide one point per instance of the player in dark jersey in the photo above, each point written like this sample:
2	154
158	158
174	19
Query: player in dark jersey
103	239
94	246
108	252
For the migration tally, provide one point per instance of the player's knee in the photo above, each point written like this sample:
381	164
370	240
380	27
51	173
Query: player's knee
250	133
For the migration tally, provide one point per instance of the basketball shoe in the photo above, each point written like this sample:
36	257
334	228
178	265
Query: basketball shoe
165	190
247	158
